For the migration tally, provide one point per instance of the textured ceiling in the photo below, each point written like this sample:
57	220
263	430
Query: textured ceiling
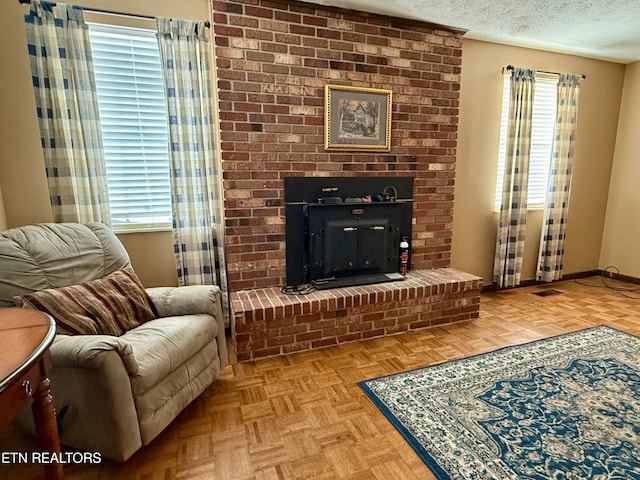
603	29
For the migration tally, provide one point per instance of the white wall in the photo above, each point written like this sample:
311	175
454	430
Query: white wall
621	243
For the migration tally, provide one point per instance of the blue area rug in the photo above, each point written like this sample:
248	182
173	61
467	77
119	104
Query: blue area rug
566	407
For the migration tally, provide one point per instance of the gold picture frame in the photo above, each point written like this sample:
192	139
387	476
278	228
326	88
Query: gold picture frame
357	118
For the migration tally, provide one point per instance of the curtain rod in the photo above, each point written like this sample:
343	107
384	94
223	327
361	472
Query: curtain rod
511	67
110	12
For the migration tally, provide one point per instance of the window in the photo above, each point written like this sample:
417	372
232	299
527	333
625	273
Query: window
542	129
134	126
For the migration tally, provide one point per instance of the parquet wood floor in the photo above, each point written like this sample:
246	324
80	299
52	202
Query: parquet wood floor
302	416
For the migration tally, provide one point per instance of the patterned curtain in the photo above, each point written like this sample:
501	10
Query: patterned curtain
513	208
195	176
67	109
557	201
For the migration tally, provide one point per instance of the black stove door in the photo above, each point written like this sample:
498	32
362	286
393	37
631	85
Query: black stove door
352	241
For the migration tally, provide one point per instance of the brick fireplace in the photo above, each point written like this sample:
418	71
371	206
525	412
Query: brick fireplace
273	59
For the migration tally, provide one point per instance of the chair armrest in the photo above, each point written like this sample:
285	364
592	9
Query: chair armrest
91	388
87	351
187	300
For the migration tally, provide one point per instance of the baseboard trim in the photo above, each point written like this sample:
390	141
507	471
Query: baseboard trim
625	278
576	276
570	276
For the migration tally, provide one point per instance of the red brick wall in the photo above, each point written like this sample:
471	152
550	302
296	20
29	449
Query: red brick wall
273	59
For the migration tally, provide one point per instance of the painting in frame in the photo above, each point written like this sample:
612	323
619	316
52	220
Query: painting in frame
357	118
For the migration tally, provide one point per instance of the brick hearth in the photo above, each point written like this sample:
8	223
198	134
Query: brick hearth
267	322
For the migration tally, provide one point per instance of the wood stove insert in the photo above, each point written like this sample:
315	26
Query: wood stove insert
345	231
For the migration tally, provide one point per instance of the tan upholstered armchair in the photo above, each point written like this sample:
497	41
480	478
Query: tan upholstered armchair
113	392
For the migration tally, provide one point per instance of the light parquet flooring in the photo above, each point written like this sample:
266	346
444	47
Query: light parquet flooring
302	416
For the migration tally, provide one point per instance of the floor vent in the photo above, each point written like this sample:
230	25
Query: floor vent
548	292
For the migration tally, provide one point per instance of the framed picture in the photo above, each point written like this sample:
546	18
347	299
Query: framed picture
357	118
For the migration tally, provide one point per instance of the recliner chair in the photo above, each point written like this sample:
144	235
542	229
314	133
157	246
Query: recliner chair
116	393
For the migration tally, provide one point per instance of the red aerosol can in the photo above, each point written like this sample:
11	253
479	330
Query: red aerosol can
404	256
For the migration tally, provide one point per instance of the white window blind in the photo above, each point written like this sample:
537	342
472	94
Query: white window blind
542	130
134	126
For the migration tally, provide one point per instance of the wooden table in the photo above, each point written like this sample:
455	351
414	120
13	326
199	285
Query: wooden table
25	337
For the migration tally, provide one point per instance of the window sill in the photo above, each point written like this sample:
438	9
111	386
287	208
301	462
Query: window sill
531	208
120	230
